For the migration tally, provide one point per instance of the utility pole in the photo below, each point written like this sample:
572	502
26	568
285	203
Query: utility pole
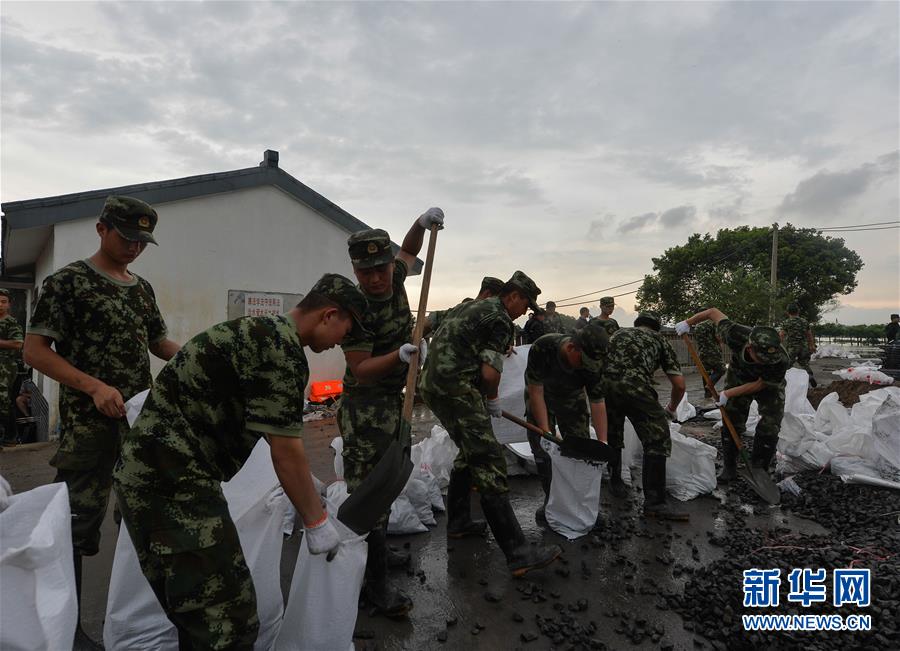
773	278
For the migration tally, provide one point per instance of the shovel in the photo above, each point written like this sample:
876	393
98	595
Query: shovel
758	478
375	494
574	447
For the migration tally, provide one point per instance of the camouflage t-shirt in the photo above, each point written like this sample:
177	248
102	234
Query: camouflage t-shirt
546	368
553	324
11	331
635	353
390	323
102	326
745	369
795	329
210	404
707	345
610	325
480	332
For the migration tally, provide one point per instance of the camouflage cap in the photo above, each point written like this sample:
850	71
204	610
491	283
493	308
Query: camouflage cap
593	340
132	218
648	318
370	248
342	291
527	287
608	301
491	284
766	343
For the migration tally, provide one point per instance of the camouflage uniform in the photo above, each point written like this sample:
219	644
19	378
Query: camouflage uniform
10	330
369	414
709	350
633	357
553	324
770	400
208	408
533	330
796	343
103	327
581	322
480	332
610	325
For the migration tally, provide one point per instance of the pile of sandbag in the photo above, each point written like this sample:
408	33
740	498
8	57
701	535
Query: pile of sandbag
867	371
830	350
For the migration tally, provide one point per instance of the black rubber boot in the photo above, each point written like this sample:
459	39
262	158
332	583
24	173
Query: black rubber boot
521	557
729	460
398	560
616	485
545	472
763	451
377	590
81	642
459	507
654	480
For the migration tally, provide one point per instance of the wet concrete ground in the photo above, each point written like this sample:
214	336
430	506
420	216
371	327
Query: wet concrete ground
467	580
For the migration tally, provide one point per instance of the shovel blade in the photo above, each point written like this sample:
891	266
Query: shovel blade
761	483
375	494
585	449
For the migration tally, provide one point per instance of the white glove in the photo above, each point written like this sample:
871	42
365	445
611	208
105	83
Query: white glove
682	328
406	351
723	398
494	408
322	537
431	216
5	493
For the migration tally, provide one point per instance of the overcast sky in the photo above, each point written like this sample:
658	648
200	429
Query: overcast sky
572	141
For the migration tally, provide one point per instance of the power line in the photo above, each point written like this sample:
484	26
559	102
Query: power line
858	230
634	291
569	298
829	228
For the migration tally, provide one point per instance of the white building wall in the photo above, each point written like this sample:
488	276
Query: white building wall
260	239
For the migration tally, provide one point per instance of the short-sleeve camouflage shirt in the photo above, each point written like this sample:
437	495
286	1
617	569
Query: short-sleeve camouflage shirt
390	323
100	325
795	329
480	332
610	325
11	331
635	353
736	336
546	368
553	324
707	345
211	403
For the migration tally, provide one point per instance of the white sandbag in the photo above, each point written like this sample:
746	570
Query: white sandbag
864	374
436	454
632	452
842	465
416	490
886	437
134	405
691	469
685	410
511	393
833	351
337	444
795	390
322	603
256	503
434	490
38	609
864	410
799	446
574	500
336	493
750	426
831	415
404	519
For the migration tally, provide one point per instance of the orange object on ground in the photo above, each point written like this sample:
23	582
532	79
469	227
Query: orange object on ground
327	390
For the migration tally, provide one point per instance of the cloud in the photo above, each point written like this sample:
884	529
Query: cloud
667	219
827	193
677	216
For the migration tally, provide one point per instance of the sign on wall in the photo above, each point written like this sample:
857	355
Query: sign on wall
243	303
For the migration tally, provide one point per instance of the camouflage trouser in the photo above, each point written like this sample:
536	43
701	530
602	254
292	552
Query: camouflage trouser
191	555
569	413
770	402
465	417
801	357
714	368
368	422
640	404
84	461
7	399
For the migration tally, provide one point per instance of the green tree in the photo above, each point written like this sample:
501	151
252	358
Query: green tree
731	271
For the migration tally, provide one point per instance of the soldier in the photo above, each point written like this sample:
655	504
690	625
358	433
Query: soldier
459	384
101	319
634	356
534	327
607	305
584	317
756	372
11	339
490	287
564	374
797	339
710	351
552	322
892	329
228	386
369	414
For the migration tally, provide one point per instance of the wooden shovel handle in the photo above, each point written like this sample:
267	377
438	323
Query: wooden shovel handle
413	371
530	427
